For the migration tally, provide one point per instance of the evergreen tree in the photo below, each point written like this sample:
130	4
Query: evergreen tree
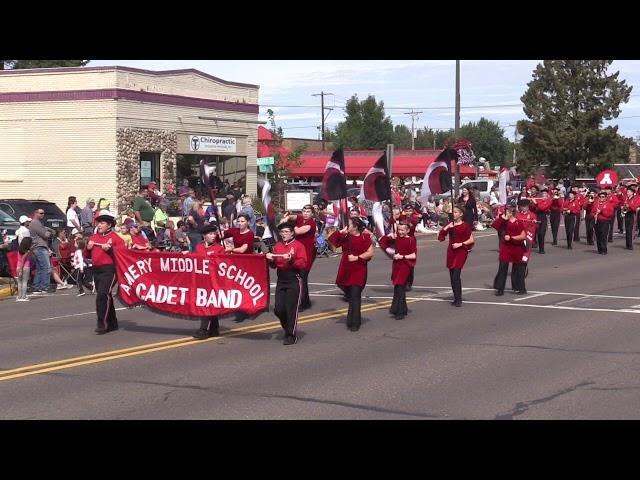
365	126
566	104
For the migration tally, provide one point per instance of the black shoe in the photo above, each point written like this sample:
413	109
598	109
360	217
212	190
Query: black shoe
201	334
569	247
290	340
213	332
457	303
499	293
399	316
354	328
604	253
112	328
409	287
629	248
541	251
101	331
346	299
520	292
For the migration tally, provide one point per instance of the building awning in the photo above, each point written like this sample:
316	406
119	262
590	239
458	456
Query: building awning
264	134
406	163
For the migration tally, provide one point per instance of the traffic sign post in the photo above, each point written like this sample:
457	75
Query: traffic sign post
265	161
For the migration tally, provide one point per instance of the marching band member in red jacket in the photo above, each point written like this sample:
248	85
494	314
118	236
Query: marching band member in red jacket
511	251
305	232
604	218
557	205
530	222
614	201
209	326
412	218
289	257
572	209
631	211
357	250
404	259
542	208
621	193
582	198
590	216
101	246
243	239
460	242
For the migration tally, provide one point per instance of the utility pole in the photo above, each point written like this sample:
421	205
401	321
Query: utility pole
457	131
413	128
322	109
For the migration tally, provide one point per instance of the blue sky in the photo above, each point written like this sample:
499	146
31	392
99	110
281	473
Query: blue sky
489	88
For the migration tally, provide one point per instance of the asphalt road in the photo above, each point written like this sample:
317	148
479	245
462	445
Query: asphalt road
569	349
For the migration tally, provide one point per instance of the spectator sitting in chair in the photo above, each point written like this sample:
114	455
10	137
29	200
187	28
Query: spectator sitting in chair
138	240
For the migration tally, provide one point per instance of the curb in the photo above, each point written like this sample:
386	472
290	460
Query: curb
5	293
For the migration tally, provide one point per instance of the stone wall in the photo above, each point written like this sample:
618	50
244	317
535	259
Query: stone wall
129	143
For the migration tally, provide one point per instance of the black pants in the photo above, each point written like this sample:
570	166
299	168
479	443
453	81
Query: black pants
105	278
569	225
517	276
456	283
576	231
602	233
399	303
306	301
288	300
590	223
542	230
610	235
210	324
621	222
629	218
410	278
554	220
354	294
81	281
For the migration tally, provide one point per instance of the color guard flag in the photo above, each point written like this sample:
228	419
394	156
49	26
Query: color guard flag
437	178
376	186
334	182
502	185
270	212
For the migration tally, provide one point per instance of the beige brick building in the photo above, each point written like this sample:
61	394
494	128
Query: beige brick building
105	131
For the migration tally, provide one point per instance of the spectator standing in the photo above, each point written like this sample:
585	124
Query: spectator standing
79	265
142	208
86	217
195	223
40	235
188	201
23	231
229	208
23	270
247	209
73	220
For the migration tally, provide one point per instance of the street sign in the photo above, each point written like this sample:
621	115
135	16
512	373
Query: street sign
265	168
265	161
607	178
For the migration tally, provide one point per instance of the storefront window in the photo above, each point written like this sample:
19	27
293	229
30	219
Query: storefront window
149	168
231	170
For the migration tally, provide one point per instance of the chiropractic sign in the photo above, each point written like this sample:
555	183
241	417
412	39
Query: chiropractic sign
203	143
193	285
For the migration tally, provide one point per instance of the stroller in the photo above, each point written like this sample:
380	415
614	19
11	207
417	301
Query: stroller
322	246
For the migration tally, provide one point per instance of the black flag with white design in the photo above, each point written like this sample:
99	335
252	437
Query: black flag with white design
376	186
334	182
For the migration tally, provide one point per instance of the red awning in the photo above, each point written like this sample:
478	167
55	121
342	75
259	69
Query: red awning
271	150
264	134
406	163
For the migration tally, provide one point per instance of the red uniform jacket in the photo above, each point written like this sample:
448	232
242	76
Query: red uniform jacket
209	249
240	239
606	210
613	200
98	256
556	204
298	260
529	220
541	206
351	273
401	269
456	257
512	250
308	240
589	207
634	203
574	206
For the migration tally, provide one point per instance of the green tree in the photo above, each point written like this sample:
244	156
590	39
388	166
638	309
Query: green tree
365	126
401	136
566	104
488	141
283	163
20	64
427	138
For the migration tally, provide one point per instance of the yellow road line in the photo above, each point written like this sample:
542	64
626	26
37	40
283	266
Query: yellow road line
167	345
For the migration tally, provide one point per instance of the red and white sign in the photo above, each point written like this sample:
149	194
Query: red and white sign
607	178
193	285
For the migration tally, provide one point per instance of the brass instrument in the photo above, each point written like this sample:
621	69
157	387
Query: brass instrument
592	198
556	196
625	209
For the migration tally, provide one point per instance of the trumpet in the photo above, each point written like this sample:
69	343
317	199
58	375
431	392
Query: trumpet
591	198
556	196
624	209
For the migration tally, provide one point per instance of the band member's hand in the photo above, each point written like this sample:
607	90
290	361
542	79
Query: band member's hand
269	256
456	245
228	249
448	226
397	256
503	216
106	246
185	252
392	235
344	230
90	244
287	256
507	238
353	258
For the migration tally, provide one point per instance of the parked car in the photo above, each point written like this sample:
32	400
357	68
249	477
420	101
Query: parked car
53	216
9	225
